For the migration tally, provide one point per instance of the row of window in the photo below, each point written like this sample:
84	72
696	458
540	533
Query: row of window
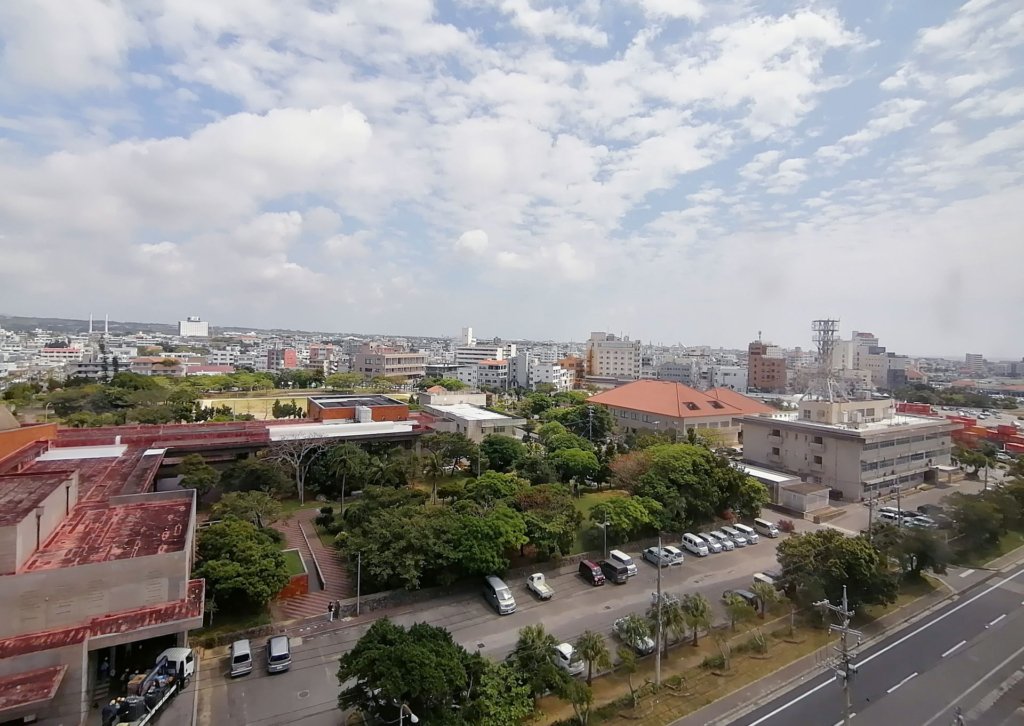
904	441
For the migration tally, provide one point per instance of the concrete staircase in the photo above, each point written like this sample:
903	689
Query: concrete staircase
338	585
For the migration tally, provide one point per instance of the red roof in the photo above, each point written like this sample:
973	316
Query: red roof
494	362
437	389
35	686
665	398
21	493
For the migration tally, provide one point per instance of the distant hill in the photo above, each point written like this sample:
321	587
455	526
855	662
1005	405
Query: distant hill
69	326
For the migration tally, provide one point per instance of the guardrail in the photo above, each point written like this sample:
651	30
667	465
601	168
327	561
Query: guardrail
316	564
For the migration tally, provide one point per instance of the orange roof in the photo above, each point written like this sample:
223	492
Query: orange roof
493	362
665	398
437	389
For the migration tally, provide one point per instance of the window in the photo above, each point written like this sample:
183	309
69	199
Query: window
916	439
713	424
885	463
871	447
905	459
776	432
868	465
702	425
776	451
817	440
623	414
869	412
635	416
499	429
917	457
886	444
905	441
805	413
817	460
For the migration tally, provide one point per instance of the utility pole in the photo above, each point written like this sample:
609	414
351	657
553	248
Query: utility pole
657	657
359	579
871	512
844	668
590	418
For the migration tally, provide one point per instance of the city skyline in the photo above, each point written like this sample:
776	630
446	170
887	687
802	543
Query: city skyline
684	170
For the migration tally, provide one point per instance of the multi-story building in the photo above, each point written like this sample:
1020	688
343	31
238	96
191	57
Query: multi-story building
732	377
281	359
157	366
60	355
663	406
526	371
193	328
378	360
766	368
492	373
473	421
577	366
975	363
681	370
608	356
472	354
853	447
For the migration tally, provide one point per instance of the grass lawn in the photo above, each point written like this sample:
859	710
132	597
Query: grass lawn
584	504
294	562
1007	543
326	538
224	623
910	590
261	407
292	505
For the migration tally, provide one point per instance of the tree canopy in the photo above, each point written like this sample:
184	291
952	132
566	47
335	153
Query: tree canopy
242	565
503	453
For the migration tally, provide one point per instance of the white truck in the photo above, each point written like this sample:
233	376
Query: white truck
150	693
538	585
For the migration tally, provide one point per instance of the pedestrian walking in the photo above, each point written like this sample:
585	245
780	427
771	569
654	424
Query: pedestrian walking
104	670
330	612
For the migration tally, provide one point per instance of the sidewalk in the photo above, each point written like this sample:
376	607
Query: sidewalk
338	584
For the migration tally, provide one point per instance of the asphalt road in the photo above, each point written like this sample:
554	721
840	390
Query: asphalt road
965	654
307	694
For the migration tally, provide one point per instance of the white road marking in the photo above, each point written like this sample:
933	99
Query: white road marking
962	642
840	722
996	620
966	693
966	573
902	682
799	698
939	619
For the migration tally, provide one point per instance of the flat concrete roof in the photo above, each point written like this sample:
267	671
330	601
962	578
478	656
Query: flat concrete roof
767	474
21	493
354	400
328	430
31	687
66	453
471	413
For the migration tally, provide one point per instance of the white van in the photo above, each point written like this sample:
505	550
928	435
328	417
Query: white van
747	532
618	557
241	658
695	544
761	577
766	528
182	660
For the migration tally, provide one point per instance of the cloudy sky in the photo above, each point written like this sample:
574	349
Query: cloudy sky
677	170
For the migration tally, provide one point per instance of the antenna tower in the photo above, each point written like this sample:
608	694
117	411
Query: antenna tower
824	386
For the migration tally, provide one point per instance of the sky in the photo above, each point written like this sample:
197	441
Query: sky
680	171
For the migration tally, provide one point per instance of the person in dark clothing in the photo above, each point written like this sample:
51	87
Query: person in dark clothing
109	713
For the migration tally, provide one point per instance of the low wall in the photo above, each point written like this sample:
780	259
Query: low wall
297	585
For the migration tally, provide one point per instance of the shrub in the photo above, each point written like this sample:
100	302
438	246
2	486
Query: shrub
713	662
327	510
787	526
324	519
275	535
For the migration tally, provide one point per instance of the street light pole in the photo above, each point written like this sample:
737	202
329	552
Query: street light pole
605	528
657	657
402	710
359	578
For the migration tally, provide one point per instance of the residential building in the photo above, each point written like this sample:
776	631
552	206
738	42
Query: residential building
552	374
577	366
472	354
155	365
608	356
467	337
281	359
473	421
852	447
732	377
975	363
681	370
766	368
60	355
374	359
492	373
664	405
193	328
441	370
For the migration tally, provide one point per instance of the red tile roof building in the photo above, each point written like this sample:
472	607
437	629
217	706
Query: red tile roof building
664	405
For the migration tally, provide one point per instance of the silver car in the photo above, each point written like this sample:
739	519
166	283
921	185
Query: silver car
643	646
675	552
713	544
659	557
727	544
567	659
735	536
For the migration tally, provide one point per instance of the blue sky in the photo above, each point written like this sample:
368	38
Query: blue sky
676	170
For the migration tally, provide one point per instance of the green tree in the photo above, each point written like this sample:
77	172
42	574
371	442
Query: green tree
574	464
922	549
197	474
673	621
450	447
343	381
256	507
348	462
492	487
242	566
629	664
503	453
593	650
501	699
627	517
738	610
551	518
534	657
768	597
818	564
537	469
697	613
391	468
255	474
580	697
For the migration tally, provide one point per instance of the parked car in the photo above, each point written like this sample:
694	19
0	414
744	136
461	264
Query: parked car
762	577
675	553
623	559
713	544
922	521
497	593
658	557
910	513
735	536
747	595
538	585
565	654
892	517
888	510
279	654
727	544
241	658
775	575
643	646
696	545
747	533
1003	456
768	529
931	509
591	572
614	572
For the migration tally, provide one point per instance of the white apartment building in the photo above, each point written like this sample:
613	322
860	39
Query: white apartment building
193	328
975	362
731	377
852	447
472	354
494	373
59	355
608	356
526	371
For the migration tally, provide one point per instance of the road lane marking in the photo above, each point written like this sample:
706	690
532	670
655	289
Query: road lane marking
962	642
967	573
939	619
840	722
799	698
996	620
902	682
966	693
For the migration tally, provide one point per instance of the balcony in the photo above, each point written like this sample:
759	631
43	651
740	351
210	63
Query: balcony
775	458
815	466
774	438
816	446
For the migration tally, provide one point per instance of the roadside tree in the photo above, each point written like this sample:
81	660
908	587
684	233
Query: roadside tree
593	650
197	474
698	613
503	453
534	657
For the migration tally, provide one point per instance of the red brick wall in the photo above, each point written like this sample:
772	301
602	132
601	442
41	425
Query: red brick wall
297	585
379	413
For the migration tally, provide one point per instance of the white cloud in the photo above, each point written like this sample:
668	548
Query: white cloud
473	242
690	9
348	246
556	22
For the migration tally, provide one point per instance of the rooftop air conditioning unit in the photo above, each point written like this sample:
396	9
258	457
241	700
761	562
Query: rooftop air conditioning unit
364	414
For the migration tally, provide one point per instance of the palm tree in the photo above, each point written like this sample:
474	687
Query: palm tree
767	596
722	641
672	621
635	629
593	651
698	614
386	469
534	655
629	664
347	460
433	469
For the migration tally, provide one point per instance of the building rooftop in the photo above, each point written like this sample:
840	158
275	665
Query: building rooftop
31	687
666	398
92	535
767	474
21	493
896	422
470	412
354	400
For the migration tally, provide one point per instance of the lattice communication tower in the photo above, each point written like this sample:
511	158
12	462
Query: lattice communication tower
824	386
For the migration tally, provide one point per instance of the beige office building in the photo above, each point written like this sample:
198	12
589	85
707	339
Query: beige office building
852	447
611	357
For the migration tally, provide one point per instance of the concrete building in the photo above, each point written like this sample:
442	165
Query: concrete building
441	370
732	377
975	362
491	373
608	356
852	447
438	396
94	567
155	365
663	405
193	328
60	355
766	368
362	409
472	354
473	421
378	360
279	359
